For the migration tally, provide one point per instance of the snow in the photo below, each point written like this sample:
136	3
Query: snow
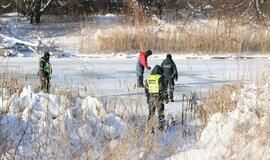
240	134
12	14
108	15
208	7
38	113
72	38
33	119
111	80
46	125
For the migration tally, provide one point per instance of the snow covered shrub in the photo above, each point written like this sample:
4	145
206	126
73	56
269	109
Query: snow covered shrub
220	100
39	125
138	144
240	130
2	52
10	82
67	96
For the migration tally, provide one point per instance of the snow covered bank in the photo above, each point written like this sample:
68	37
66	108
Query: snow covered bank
243	133
45	126
38	125
101	34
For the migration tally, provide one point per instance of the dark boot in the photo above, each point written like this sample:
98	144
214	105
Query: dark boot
161	117
140	82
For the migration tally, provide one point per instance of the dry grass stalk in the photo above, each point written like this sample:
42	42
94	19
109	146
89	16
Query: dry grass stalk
192	40
217	100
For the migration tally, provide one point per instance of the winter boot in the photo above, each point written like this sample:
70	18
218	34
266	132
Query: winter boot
140	82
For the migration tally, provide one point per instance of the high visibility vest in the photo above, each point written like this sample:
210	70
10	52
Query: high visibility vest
153	85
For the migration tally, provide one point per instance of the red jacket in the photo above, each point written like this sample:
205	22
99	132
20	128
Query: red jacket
143	59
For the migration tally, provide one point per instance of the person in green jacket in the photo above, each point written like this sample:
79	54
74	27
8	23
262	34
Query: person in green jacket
45	71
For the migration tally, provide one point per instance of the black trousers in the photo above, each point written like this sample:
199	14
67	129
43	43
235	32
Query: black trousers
154	103
169	84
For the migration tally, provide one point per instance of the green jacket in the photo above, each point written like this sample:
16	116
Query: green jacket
45	68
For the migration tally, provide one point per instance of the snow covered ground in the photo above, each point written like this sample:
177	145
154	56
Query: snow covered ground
39	116
38	125
107	100
36	119
240	134
62	38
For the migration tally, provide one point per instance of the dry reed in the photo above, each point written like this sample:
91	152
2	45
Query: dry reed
191	39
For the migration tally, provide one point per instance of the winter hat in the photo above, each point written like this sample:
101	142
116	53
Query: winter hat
169	56
149	52
46	54
157	70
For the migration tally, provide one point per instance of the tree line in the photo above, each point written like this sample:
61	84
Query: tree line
34	9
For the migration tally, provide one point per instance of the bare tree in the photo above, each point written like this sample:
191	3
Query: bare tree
138	11
35	8
32	8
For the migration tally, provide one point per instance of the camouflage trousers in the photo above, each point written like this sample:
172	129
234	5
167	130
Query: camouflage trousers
154	104
44	83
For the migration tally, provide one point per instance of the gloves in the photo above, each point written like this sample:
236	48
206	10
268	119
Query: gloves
148	68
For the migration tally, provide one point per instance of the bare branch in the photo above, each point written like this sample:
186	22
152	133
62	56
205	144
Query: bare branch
6	6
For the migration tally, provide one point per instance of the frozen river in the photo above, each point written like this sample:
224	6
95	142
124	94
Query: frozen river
115	77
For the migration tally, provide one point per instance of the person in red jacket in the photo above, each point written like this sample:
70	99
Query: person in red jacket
141	65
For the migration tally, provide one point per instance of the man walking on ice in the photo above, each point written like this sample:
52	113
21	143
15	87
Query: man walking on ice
169	71
141	65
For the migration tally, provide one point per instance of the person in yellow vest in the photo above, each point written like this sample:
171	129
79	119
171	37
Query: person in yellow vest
156	96
45	70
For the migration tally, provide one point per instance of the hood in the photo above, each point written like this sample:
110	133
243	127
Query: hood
157	70
169	56
148	53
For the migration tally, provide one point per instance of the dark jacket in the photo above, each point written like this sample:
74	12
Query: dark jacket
162	91
44	67
169	69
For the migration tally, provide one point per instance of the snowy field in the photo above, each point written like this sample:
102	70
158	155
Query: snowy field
98	119
112	79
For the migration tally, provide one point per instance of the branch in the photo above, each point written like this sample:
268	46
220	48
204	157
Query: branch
6	6
258	7
249	6
46	5
238	5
